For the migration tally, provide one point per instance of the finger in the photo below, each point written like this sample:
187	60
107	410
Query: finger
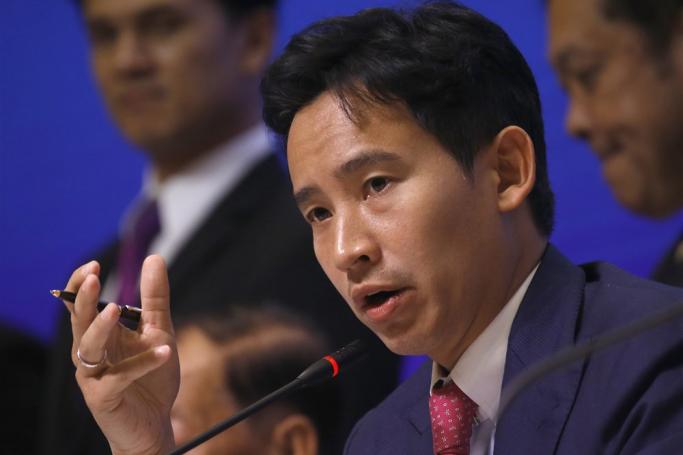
155	294
77	278
79	275
84	311
85	307
94	340
123	374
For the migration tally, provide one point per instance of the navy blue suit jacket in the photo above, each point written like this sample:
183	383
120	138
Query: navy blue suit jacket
625	400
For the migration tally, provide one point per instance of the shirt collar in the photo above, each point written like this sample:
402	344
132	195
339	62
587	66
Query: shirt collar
479	371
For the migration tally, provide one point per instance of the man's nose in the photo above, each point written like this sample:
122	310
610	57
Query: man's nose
131	55
355	245
578	120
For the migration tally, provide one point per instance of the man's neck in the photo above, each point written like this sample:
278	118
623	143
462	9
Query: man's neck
172	161
521	265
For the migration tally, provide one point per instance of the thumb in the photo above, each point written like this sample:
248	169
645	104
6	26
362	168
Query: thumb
155	294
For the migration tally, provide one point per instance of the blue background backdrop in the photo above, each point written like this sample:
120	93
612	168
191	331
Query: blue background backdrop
66	174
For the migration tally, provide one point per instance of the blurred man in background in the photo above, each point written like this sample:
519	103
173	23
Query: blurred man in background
231	360
621	62
180	79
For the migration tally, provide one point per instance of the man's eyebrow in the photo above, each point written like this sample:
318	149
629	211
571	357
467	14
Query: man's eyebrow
303	195
358	162
364	159
157	11
146	14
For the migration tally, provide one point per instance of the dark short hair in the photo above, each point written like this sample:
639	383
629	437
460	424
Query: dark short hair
657	19
273	345
233	8
243	7
458	73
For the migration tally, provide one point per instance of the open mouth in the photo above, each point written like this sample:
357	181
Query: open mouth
607	149
607	154
379	298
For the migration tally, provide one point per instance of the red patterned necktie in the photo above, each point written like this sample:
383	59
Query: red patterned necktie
453	415
133	249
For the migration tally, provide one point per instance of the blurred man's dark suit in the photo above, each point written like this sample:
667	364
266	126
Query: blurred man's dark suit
255	246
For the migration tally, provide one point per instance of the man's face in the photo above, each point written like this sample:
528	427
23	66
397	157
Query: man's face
404	235
204	400
625	101
171	71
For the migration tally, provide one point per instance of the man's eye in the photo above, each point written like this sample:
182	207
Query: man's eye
377	184
162	24
317	215
101	35
587	77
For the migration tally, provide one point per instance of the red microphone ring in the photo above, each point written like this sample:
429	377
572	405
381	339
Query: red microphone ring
335	365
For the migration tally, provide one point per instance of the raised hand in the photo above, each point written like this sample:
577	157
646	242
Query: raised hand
129	378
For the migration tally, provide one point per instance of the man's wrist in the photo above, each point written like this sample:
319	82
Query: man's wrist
164	445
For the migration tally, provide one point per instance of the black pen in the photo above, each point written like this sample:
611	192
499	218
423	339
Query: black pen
130	313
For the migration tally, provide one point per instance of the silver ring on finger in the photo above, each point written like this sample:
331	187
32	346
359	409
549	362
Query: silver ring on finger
87	364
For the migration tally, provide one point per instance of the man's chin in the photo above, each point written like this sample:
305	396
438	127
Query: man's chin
147	131
627	188
403	345
158	145
640	200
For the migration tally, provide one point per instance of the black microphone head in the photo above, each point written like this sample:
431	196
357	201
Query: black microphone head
350	353
329	366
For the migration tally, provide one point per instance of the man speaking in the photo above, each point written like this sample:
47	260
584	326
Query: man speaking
416	152
181	80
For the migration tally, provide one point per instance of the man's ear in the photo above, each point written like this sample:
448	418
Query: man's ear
515	167
295	435
259	28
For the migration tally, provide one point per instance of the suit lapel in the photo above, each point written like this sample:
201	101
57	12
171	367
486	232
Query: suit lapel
417	415
546	322
420	421
225	221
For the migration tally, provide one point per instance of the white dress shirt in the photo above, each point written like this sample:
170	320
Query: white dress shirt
187	198
479	371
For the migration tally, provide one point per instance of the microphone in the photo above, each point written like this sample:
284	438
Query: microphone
577	352
322	370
